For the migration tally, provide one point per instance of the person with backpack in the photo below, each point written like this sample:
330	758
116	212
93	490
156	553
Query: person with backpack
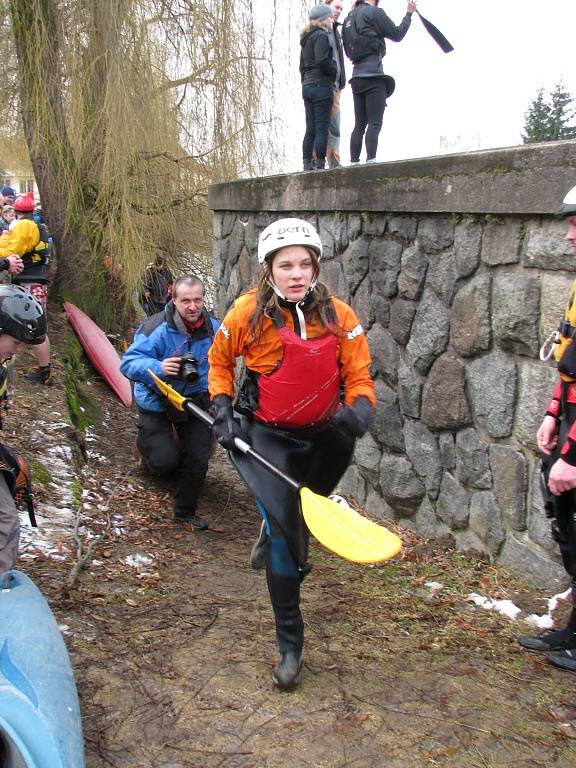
307	396
174	345
317	72
22	321
31	241
364	32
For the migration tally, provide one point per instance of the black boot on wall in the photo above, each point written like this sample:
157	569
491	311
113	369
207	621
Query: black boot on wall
307	165
319	164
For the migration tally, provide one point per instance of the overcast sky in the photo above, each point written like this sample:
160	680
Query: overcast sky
473	98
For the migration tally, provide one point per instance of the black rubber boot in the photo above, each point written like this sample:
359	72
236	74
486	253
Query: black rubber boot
197	522
288	671
307	165
40	376
319	164
564	659
562	639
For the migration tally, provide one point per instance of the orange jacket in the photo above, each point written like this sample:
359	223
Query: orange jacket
234	339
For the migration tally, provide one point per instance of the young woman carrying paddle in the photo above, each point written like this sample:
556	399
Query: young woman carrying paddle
306	396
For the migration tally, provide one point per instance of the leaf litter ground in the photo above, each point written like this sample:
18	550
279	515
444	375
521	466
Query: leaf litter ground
171	635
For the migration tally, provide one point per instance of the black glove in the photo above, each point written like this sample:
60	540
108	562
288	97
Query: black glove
355	419
226	427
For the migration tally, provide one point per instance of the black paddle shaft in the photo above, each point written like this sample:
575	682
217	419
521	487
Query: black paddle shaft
243	446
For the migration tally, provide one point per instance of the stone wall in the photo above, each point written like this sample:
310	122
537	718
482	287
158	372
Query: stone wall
458	271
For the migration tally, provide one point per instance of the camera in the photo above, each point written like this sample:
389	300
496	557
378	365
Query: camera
188	370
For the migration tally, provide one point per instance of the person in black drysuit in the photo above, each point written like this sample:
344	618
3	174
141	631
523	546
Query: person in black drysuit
156	287
556	439
370	86
317	72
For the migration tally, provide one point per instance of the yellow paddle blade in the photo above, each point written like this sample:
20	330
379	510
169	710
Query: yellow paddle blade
345	532
175	397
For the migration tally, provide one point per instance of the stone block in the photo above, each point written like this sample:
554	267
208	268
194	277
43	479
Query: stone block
400	486
546	247
468	541
426	523
486	520
413	267
535	385
516	312
401	317
442	276
387	425
491	384
422	450
354	226
355	263
472	463
384	257
430	331
367	453
410	386
384	351
374	224
453	501
435	233
403	227
467	242
510	476
554	294
380	309
501	241
378	507
470	330
526	561
333	234
444	403
352	485
362	304
447	450
332	274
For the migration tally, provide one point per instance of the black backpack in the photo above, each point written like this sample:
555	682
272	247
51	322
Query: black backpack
358	46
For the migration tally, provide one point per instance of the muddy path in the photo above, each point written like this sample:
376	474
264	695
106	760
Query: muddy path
171	635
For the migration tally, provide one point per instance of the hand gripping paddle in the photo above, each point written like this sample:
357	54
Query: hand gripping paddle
338	528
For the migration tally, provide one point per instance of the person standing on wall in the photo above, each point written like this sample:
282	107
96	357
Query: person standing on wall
302	347
317	72
556	439
333	148
31	242
364	33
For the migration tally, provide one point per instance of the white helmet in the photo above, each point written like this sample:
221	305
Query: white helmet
568	207
288	232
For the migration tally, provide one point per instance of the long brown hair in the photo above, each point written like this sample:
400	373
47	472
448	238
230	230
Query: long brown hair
318	305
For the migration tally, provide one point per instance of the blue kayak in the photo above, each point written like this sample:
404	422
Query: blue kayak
40	724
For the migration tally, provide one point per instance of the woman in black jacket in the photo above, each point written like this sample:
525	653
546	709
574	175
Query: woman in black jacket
317	70
370	86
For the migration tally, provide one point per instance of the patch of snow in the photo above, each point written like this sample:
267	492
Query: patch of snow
506	607
140	562
434	587
546	621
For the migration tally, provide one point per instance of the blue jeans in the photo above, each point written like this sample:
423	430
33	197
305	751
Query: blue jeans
318	105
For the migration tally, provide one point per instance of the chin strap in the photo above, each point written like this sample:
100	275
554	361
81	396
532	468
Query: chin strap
296	304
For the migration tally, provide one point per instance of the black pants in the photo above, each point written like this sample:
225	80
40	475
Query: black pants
187	455
562	509
369	105
318	101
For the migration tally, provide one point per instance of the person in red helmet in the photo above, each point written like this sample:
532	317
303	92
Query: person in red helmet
30	241
306	397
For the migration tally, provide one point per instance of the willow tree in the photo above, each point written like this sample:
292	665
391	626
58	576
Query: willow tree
130	108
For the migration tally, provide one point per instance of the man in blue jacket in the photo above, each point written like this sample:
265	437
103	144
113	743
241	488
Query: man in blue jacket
174	344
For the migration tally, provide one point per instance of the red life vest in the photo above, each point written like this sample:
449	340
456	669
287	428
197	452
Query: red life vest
304	390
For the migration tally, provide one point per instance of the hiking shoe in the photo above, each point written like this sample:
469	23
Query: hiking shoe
564	659
196	521
561	640
39	376
288	671
259	552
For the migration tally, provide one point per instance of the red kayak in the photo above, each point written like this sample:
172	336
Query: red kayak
100	352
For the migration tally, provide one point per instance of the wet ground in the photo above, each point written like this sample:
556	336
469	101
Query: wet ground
171	635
